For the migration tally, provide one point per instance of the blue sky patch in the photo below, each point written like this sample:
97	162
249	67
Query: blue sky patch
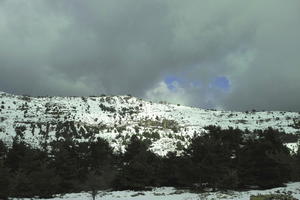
170	80
221	82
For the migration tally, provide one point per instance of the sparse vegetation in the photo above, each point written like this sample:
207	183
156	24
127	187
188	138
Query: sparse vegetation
107	108
296	124
272	197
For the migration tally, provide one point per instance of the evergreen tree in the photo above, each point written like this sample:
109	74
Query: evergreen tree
137	170
101	170
20	185
101	154
3	150
296	165
4	181
214	156
45	182
264	161
169	173
65	163
15	155
99	181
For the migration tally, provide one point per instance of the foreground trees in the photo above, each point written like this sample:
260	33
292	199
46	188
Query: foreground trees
223	159
215	157
265	162
218	159
28	172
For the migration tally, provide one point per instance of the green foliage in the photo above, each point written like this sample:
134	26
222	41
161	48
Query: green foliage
3	150
4	182
28	172
264	162
20	185
171	124
44	181
99	180
107	108
152	135
120	129
100	155
219	159
296	166
272	196
296	124
214	156
137	170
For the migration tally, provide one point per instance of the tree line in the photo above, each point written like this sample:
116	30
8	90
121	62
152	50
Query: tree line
218	159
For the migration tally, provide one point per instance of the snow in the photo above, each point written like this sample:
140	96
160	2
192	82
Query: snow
169	193
293	146
130	113
134	116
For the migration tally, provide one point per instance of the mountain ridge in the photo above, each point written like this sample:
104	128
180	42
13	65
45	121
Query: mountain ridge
168	127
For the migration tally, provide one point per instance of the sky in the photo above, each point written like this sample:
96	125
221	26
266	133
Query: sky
222	54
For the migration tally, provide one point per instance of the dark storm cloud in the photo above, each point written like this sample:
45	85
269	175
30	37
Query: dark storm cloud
271	74
107	46
63	47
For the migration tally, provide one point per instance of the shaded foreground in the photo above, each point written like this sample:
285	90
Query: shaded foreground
218	160
167	193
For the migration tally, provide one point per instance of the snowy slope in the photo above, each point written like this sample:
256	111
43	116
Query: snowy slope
173	194
116	118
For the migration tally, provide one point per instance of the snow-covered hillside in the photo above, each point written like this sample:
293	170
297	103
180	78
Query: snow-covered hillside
167	193
117	118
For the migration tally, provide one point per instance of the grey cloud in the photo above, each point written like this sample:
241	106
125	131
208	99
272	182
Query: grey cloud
271	79
117	47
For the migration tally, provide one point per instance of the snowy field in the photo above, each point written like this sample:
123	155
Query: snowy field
168	193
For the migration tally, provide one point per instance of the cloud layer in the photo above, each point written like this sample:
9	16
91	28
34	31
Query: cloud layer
91	47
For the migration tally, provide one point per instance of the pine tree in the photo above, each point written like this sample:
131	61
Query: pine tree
264	162
213	156
137	169
15	155
66	166
4	181
20	185
45	182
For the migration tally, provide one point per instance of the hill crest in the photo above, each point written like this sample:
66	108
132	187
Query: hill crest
116	118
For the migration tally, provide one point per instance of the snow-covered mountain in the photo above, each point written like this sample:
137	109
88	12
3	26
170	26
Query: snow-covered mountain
116	118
